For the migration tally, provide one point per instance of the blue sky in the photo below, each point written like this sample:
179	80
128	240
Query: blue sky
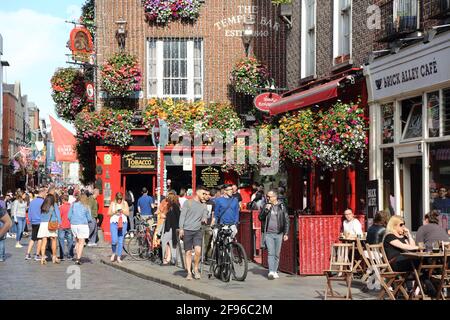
34	43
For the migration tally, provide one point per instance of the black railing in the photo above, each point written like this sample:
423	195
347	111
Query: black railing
438	9
397	24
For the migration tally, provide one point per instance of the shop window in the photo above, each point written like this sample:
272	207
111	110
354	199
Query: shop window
446	110
387	123
175	68
433	113
308	38
440	177
343	30
411	118
388	180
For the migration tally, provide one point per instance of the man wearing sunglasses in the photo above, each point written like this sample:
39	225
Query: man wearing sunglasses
274	217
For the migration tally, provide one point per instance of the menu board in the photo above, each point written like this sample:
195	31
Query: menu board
210	176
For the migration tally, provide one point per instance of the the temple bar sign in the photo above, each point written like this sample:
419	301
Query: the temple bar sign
139	161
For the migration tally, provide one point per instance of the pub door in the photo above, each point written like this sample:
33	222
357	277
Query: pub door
136	181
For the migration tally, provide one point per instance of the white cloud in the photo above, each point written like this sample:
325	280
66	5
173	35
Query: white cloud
74	12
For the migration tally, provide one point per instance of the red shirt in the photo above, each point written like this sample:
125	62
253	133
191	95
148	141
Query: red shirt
64	210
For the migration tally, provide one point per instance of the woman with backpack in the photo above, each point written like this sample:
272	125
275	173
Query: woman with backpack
48	228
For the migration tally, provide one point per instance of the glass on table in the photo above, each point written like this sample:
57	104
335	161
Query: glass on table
421	246
436	246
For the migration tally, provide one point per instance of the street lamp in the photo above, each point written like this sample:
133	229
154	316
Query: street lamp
121	33
248	33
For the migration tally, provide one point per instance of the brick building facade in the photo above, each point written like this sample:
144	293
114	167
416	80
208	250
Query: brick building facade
218	27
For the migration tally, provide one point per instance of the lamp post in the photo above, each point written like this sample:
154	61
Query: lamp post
248	33
121	33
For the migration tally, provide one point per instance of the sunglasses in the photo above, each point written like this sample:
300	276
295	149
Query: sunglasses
402	224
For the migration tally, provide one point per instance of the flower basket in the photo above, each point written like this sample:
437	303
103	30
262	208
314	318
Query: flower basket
248	75
121	76
68	93
164	11
342	136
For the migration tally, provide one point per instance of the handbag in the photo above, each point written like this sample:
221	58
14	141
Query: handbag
52	225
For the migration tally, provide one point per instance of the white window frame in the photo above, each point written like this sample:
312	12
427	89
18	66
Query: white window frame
190	96
305	55
337	29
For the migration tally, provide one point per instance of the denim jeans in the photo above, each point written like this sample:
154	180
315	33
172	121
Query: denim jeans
93	229
273	244
65	234
117	238
21	222
2	249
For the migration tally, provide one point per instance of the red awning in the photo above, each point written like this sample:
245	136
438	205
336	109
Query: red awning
306	98
64	142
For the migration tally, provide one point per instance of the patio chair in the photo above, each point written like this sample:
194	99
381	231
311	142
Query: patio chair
341	269
443	279
362	265
392	283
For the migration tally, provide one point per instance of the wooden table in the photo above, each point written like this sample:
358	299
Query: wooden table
421	256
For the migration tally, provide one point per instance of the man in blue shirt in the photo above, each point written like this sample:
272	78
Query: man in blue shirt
34	215
226	209
145	205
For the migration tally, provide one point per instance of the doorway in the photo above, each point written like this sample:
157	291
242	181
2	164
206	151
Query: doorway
135	183
411	189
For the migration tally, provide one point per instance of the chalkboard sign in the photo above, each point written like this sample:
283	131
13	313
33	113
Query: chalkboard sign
210	176
372	198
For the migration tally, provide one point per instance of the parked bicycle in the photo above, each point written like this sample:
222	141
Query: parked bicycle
140	245
228	256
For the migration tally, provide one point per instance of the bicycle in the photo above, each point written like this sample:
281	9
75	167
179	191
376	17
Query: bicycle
228	257
140	247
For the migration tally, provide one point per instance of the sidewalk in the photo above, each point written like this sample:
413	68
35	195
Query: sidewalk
255	287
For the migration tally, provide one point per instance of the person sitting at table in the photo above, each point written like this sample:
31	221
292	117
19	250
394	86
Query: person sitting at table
377	230
352	227
431	231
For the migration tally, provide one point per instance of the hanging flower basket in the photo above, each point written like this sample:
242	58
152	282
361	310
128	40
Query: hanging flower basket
164	11
342	136
121	76
68	92
248	75
298	137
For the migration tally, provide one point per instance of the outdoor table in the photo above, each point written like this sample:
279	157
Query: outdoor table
422	256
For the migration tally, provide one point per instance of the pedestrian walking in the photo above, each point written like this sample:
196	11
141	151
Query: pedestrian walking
93	228
129	198
34	215
275	219
207	228
118	213
65	231
49	215
145	206
193	213
19	214
169	237
5	224
79	217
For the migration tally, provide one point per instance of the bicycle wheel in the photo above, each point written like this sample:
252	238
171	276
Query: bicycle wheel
214	267
225	272
137	248
239	262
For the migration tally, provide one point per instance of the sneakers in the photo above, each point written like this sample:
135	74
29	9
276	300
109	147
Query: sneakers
61	258
91	244
37	257
2	260
197	275
271	275
28	257
18	245
275	275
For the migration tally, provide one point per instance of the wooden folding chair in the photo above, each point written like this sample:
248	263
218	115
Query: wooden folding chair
392	283
443	279
341	269
362	265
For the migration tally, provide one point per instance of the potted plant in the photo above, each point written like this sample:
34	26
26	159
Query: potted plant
249	75
121	76
164	11
285	7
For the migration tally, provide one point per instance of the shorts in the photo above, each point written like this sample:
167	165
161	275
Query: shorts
35	231
80	231
192	239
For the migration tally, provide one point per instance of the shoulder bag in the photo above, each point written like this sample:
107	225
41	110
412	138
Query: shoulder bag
52	225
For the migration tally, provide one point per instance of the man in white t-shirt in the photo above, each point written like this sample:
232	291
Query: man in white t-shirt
352	226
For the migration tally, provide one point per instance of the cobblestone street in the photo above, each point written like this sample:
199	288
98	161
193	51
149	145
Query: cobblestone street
22	279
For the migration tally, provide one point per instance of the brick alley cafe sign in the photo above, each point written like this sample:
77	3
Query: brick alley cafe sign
139	161
264	100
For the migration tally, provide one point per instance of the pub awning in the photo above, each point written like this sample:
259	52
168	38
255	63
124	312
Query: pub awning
307	97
